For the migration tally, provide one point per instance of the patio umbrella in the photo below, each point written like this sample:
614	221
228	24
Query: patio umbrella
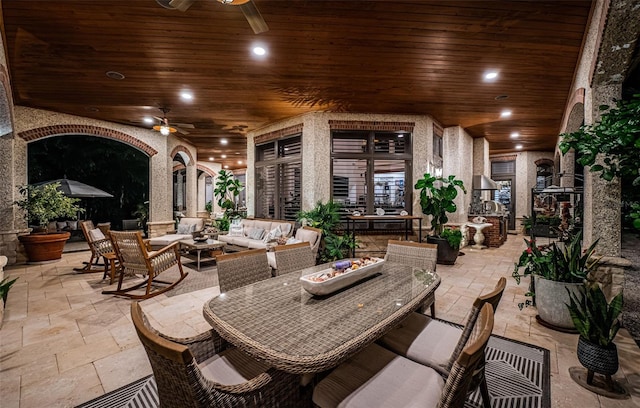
76	189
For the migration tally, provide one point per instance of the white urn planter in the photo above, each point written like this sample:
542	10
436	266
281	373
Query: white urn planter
551	299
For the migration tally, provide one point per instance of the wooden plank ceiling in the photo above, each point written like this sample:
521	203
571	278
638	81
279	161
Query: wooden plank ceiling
404	57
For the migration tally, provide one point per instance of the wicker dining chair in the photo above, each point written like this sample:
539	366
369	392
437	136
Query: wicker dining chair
290	258
137	259
242	268
438	344
206	371
418	255
377	377
99	244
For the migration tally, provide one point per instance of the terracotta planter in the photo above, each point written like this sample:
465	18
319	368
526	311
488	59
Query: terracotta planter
44	247
446	254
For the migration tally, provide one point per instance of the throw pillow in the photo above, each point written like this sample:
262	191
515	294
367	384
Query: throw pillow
184	229
272	235
255	233
61	225
96	234
292	240
236	230
73	225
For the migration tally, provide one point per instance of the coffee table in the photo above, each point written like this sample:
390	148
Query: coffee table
199	246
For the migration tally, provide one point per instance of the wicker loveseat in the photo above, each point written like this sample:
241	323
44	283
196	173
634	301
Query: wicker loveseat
254	233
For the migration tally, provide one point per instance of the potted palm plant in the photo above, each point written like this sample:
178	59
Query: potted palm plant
437	195
556	269
42	204
597	322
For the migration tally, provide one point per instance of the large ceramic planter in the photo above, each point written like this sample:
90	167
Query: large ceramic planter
446	254
551	299
44	247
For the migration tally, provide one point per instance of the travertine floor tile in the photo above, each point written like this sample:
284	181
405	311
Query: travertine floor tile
64	343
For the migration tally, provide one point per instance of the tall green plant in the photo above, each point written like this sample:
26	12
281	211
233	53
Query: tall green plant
226	190
323	216
595	319
437	195
46	203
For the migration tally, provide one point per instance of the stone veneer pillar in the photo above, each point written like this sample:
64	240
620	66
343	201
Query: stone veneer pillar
602	198
458	152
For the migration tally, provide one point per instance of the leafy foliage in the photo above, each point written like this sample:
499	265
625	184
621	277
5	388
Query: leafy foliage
208	206
567	263
323	216
5	285
46	203
594	318
453	237
616	137
227	190
437	196
326	216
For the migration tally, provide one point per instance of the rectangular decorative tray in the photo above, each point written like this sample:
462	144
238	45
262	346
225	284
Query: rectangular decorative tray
338	282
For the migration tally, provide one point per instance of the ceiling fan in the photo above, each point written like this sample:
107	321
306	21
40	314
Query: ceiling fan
166	129
248	8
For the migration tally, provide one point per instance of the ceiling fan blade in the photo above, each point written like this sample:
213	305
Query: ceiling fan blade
184	125
254	18
182	5
181	130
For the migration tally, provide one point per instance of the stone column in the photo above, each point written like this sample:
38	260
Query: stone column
602	198
191	201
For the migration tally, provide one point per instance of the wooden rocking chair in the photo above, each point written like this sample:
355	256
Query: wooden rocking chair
100	246
136	258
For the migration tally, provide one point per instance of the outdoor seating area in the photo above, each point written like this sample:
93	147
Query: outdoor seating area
311	204
92	346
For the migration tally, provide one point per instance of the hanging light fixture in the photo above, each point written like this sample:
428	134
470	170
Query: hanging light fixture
164	128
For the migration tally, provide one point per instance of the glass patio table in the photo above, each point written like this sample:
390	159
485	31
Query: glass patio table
278	321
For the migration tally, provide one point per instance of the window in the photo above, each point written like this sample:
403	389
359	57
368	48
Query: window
370	170
278	182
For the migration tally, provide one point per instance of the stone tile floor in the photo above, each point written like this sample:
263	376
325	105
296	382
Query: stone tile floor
63	342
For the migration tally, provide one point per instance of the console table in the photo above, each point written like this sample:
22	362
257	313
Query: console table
373	218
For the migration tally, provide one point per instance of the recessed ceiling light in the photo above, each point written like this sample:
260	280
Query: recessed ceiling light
491	75
258	50
505	114
239	161
148	120
224	141
186	96
115	75
224	156
210	158
515	134
519	146
226	167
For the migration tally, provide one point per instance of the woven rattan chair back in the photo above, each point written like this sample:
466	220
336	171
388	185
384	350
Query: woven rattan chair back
294	257
98	247
492	299
135	258
418	255
242	268
181	383
471	357
412	254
